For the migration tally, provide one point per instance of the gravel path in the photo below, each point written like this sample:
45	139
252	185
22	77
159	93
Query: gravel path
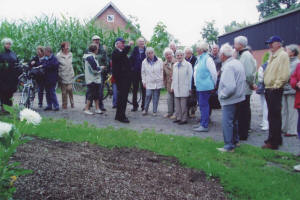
163	125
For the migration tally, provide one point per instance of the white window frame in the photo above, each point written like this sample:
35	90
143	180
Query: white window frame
112	17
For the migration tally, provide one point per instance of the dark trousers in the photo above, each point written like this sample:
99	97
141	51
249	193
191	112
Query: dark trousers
41	89
123	86
274	98
51	97
244	118
6	98
136	84
298	127
103	79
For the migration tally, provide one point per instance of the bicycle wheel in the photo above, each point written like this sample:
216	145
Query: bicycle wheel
107	91
139	95
79	84
24	101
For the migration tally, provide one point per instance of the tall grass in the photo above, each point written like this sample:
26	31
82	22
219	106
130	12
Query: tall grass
50	31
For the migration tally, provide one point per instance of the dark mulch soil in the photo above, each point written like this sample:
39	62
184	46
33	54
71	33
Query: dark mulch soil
83	171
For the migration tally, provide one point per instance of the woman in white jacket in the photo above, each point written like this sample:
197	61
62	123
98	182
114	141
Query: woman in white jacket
152	78
181	86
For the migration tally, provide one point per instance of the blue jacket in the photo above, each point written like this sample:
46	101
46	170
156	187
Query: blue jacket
51	70
136	59
203	77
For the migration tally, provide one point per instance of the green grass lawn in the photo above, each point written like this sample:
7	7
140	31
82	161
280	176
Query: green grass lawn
249	173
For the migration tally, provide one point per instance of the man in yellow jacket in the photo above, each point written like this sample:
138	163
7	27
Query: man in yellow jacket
275	76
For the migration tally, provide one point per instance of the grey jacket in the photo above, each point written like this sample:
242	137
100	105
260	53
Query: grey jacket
65	69
287	89
92	70
232	83
249	64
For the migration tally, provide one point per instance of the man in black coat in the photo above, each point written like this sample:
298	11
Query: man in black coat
136	58
121	71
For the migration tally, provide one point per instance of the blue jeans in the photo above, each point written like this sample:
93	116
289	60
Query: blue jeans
203	102
230	125
149	93
51	97
115	94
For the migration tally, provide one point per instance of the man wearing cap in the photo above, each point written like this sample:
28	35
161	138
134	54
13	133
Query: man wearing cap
275	77
103	61
121	71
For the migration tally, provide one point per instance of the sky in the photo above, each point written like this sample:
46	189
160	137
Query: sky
184	19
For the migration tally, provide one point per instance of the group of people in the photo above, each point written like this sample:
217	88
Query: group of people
214	78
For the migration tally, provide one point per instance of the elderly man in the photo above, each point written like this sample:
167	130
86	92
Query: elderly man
189	56
248	61
231	93
173	46
136	58
121	72
103	60
275	77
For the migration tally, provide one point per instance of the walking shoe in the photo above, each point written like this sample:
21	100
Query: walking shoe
47	109
134	109
40	105
264	128
145	113
173	117
114	107
176	121
297	168
103	109
192	116
167	115
238	144
72	106
182	122
201	129
269	146
154	114
88	112
196	126
56	109
290	135
223	150
98	111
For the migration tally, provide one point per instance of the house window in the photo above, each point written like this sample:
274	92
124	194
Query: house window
110	18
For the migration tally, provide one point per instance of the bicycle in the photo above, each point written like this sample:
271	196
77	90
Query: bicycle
29	86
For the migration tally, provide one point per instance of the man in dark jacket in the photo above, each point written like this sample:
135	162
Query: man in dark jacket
121	71
136	58
51	76
189	56
8	73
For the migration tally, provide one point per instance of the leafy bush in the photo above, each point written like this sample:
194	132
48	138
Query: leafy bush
50	31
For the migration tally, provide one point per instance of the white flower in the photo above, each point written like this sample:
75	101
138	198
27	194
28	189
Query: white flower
30	116
5	128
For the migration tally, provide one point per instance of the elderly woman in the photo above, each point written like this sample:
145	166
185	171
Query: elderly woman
35	62
8	73
168	72
181	86
66	74
152	78
288	112
205	77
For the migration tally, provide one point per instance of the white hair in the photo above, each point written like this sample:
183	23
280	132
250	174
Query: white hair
149	49
202	46
6	41
140	39
168	50
226	50
172	43
215	45
293	48
242	40
179	51
186	49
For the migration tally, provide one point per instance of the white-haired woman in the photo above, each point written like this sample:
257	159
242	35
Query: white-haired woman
288	112
152	78
181	86
8	73
205	77
168	72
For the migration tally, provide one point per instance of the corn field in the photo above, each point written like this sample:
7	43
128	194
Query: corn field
50	31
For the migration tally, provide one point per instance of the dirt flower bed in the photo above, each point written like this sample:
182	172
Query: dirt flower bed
84	171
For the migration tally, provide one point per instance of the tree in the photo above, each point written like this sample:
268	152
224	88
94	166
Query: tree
270	8
235	26
160	39
210	33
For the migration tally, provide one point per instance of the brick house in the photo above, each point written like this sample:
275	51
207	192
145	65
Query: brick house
111	17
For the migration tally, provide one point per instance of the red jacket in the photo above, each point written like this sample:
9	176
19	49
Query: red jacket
295	78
